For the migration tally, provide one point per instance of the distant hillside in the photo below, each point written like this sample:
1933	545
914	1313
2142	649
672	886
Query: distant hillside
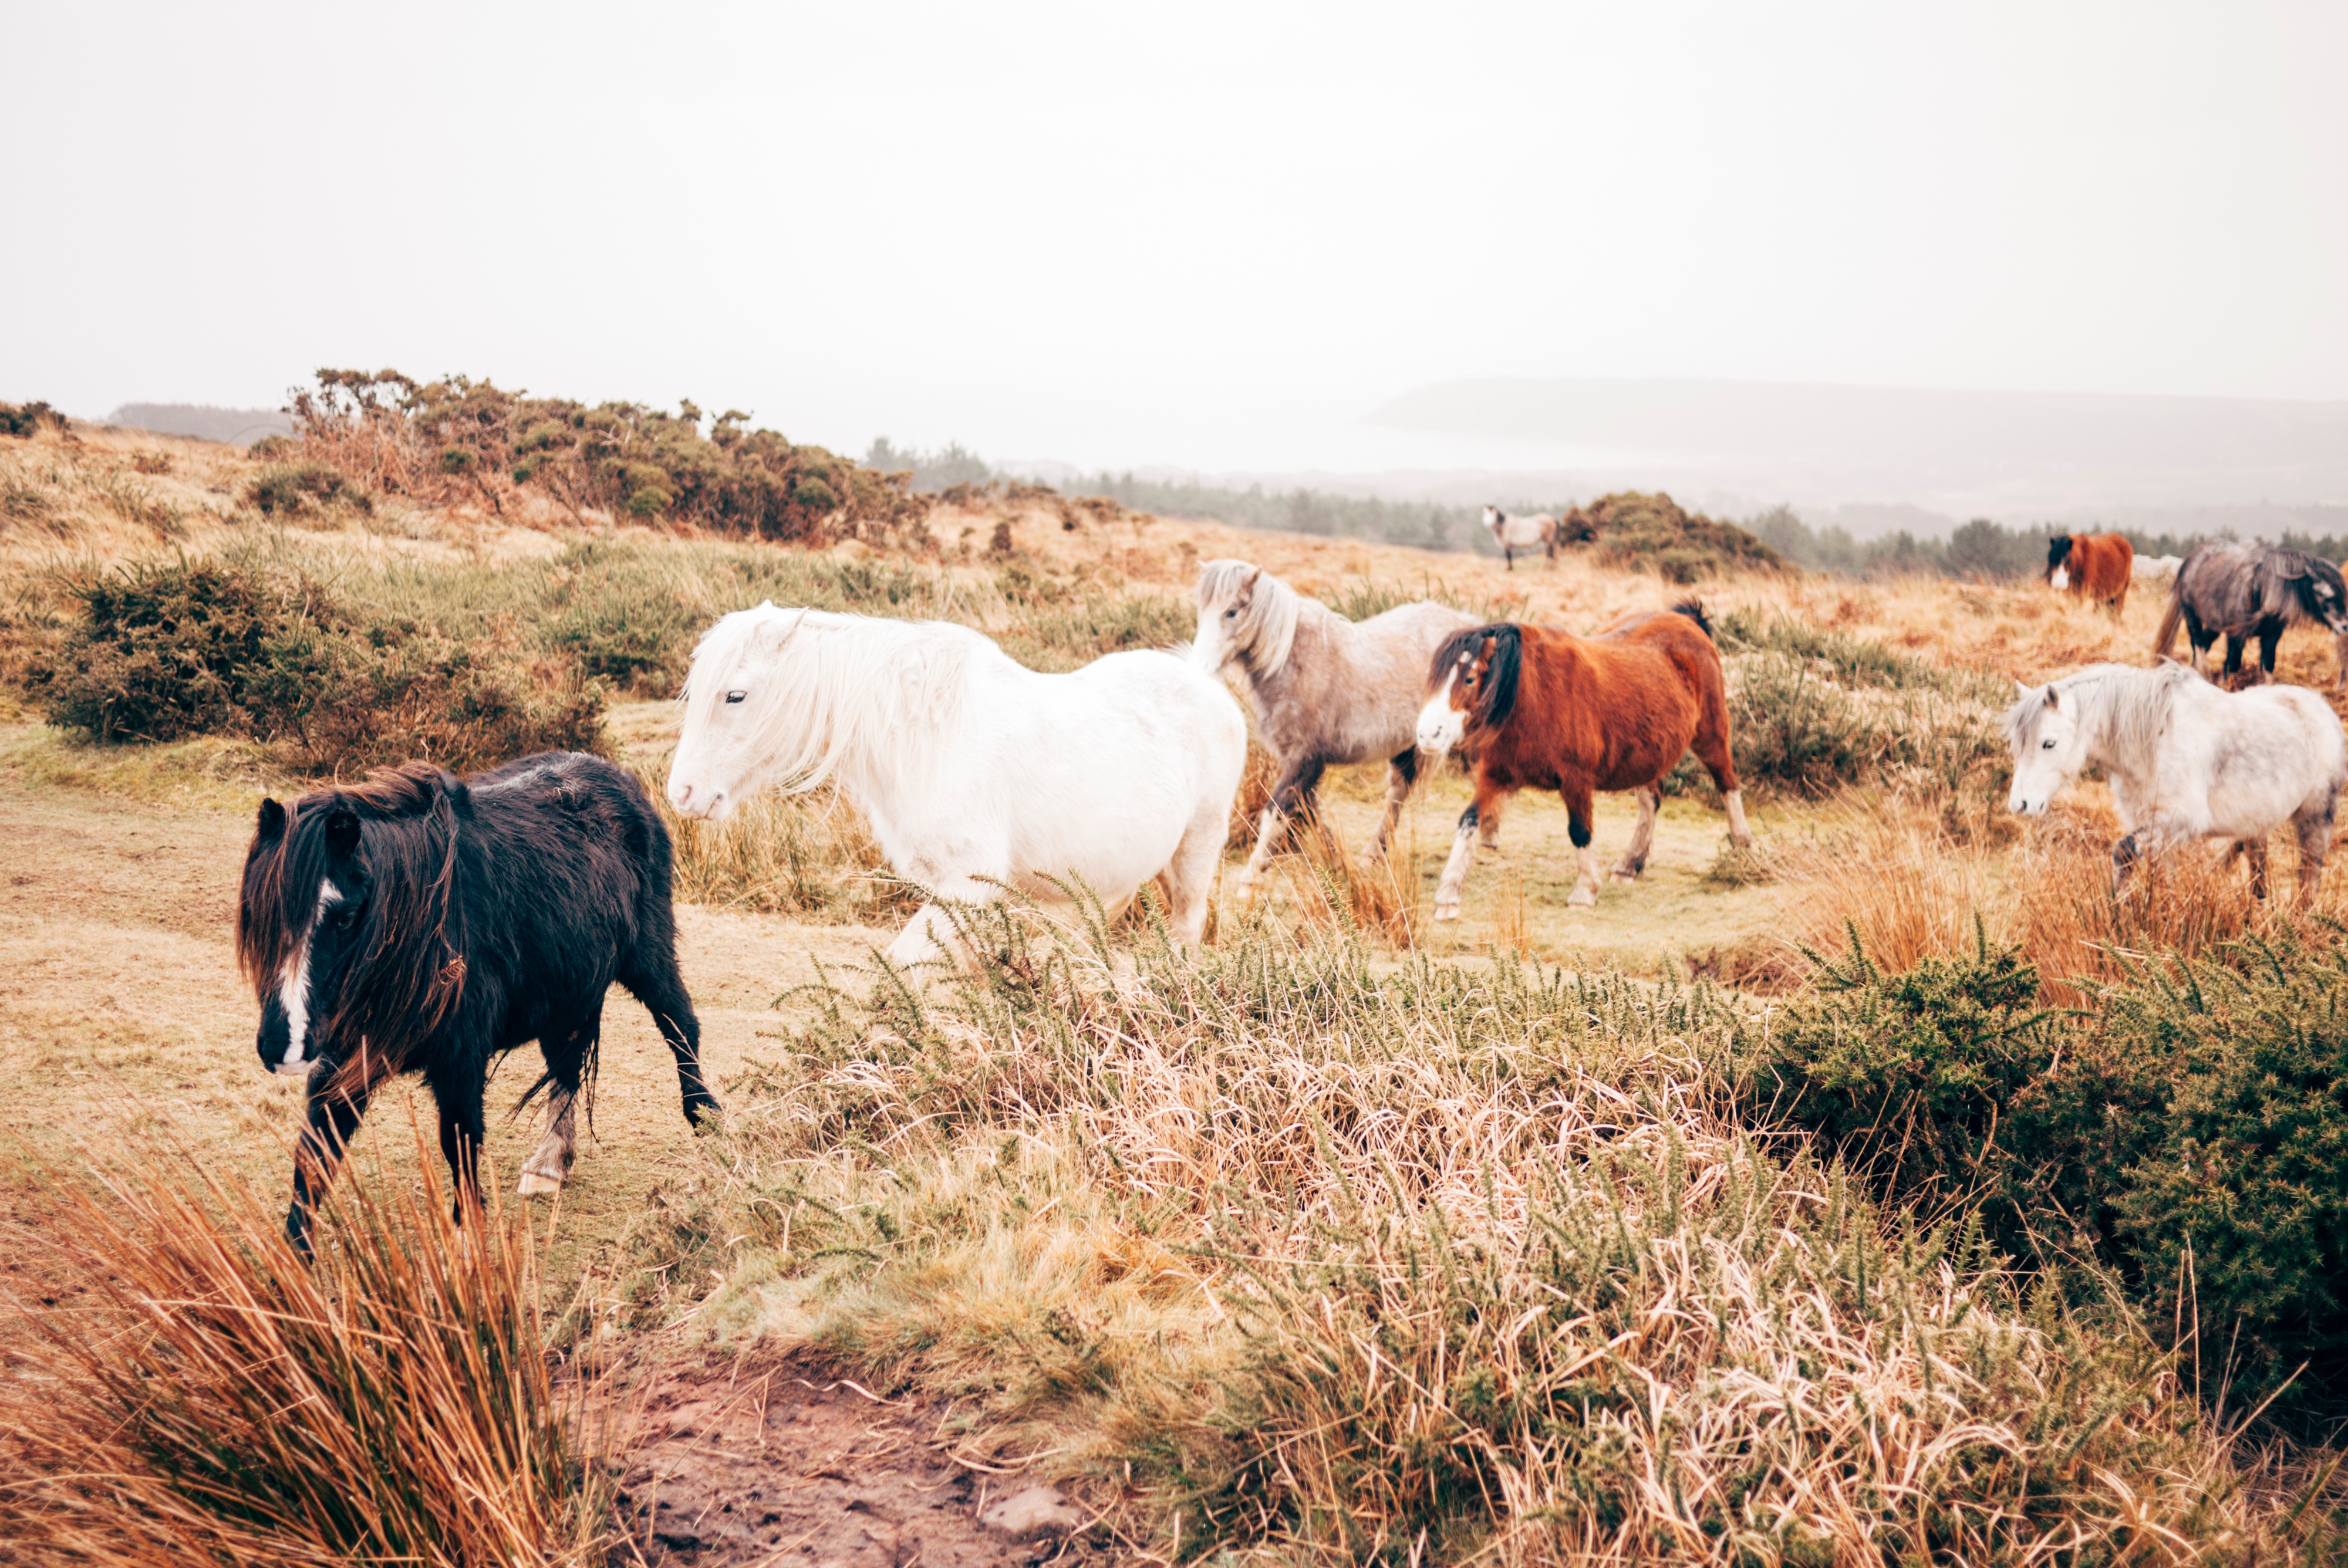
1958	453
237	426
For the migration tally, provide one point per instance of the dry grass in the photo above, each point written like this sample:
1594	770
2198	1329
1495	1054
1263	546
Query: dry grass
1911	888
1346	1263
217	1402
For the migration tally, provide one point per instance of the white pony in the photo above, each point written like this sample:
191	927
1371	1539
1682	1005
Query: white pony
2154	568
973	769
1521	532
2186	761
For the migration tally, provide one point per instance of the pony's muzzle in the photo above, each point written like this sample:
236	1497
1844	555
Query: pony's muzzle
688	802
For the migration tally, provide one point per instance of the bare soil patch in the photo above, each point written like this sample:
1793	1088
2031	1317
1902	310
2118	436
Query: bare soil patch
787	1466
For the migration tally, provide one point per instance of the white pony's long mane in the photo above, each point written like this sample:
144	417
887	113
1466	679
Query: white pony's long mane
2121	710
860	697
1266	629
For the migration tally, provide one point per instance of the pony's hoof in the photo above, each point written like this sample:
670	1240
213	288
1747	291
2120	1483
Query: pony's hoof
1622	876
1447	911
534	1184
1581	898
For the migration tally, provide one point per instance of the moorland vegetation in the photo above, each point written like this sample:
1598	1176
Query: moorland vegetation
1967	1217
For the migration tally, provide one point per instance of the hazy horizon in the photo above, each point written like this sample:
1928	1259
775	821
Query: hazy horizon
1217	240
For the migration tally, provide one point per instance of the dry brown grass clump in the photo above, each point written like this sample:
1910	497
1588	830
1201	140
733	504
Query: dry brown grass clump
1297	1254
1911	888
217	1402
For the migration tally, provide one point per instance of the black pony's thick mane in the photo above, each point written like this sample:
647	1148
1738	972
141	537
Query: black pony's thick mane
1499	698
400	828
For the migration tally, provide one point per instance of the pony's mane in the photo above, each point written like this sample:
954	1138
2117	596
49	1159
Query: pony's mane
1499	699
853	695
2121	707
1266	631
402	827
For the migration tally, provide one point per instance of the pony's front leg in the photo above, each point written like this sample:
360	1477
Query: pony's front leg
332	1115
1488	797
1402	773
462	1135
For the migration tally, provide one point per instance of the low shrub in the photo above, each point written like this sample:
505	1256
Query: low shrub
457	439
2187	1132
167	649
1654	533
26	418
285	488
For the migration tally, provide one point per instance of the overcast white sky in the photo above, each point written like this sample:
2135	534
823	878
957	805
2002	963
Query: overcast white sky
1119	234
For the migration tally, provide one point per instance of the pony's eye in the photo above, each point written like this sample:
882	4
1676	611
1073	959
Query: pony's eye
736	696
1232	613
2045	746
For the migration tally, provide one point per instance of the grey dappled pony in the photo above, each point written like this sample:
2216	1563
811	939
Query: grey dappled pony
1325	689
2245	590
2186	761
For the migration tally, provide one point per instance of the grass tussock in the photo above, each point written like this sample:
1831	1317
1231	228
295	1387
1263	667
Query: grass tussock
1334	1259
218	1402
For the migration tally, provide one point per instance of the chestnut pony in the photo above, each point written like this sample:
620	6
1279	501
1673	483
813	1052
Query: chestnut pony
1546	710
2097	567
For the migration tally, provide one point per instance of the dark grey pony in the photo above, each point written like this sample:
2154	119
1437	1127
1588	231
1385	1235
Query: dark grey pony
1324	690
2246	590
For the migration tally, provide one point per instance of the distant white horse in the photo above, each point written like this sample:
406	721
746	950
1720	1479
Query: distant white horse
1521	532
2156	567
973	769
2186	761
1325	689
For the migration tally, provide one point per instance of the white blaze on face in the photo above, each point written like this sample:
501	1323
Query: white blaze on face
2061	577
294	991
1439	725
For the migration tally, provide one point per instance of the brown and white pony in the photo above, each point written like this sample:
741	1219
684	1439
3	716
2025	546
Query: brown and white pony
1537	709
1521	532
2097	567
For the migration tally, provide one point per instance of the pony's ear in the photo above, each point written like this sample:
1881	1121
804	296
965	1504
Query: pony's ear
2024	688
2054	700
270	825
343	832
1248	581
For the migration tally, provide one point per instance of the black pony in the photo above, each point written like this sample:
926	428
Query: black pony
418	922
2245	590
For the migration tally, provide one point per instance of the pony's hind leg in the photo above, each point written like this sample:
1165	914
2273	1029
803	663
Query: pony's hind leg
1290	798
2315	828
1402	773
1642	838
1189	879
567	1050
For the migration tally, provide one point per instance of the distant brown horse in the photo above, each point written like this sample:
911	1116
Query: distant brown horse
1546	710
2097	567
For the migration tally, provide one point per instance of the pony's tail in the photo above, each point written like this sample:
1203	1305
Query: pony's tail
1693	610
2164	638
